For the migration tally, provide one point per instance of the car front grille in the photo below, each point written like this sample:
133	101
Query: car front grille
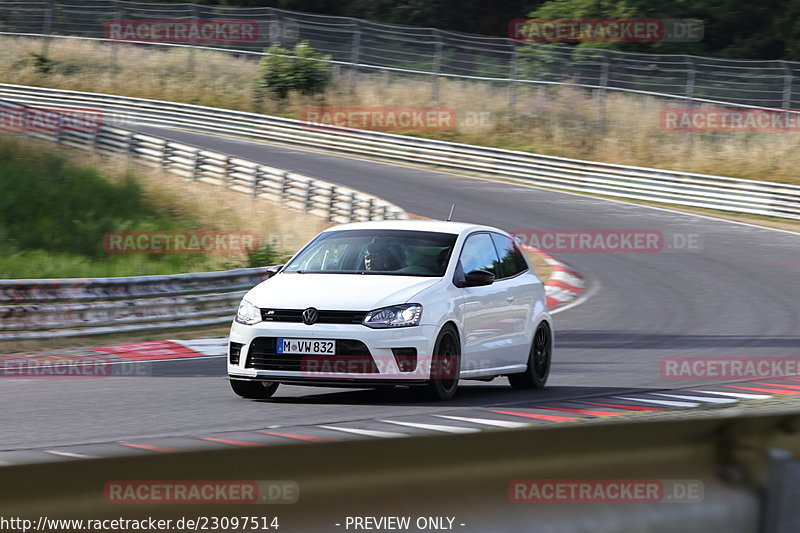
352	356
325	317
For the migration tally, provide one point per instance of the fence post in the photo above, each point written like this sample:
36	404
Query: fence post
275	28
47	26
437	67
690	82
354	54
195	20
512	95
787	87
605	66
112	67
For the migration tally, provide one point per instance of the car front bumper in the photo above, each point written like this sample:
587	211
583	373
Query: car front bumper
342	369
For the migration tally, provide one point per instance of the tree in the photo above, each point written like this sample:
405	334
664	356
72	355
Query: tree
303	69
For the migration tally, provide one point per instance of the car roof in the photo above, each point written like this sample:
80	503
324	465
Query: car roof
440	226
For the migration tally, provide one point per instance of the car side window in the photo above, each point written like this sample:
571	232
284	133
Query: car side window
511	259
479	254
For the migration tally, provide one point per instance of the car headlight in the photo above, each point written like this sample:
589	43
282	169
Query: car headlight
248	314
396	316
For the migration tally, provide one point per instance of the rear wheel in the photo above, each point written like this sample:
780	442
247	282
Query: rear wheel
538	361
254	390
445	365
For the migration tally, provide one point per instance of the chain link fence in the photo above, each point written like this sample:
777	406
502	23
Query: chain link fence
363	46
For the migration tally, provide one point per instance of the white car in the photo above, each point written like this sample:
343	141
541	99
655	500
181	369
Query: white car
417	303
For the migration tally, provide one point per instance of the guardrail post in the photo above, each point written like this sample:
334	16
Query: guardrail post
165	155
131	148
385	212
226	173
353	204
60	129
332	203
437	67
285	181
371	208
309	195
196	164
257	174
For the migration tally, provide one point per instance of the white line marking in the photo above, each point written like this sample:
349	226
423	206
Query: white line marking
698	398
433	427
367	432
660	402
738	394
70	454
486	421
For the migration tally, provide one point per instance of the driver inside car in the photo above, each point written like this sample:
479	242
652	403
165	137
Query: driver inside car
379	258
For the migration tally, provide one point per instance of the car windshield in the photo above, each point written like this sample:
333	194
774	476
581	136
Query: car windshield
385	252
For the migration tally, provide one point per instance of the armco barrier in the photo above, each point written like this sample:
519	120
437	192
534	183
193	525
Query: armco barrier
32	309
744	466
664	186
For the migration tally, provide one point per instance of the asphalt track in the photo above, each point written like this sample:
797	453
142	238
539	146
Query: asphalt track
736	296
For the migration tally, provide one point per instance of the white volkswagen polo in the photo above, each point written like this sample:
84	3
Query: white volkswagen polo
417	303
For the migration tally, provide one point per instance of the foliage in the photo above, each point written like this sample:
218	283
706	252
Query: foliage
302	69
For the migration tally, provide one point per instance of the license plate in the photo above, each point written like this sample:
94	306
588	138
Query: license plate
306	346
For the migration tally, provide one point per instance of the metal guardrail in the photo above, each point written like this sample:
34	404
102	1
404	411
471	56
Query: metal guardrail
664	186
43	308
31	309
366	46
745	462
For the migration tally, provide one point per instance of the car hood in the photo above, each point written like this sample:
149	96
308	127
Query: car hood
356	292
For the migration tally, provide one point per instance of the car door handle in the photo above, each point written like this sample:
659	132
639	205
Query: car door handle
510	299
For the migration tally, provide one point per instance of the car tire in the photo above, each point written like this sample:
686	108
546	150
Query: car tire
254	390
445	365
539	357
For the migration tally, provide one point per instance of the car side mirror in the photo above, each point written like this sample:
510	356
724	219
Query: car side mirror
478	278
272	270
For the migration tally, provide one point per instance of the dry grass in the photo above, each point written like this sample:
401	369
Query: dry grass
561	121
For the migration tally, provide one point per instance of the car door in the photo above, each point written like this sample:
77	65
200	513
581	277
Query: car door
519	292
485	310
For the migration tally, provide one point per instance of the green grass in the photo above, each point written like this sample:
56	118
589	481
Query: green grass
53	215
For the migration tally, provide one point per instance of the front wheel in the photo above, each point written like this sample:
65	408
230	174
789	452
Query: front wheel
538	361
254	390
445	365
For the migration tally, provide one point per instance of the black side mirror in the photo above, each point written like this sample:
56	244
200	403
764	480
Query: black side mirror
478	278
272	270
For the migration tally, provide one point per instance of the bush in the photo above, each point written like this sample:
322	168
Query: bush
302	69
